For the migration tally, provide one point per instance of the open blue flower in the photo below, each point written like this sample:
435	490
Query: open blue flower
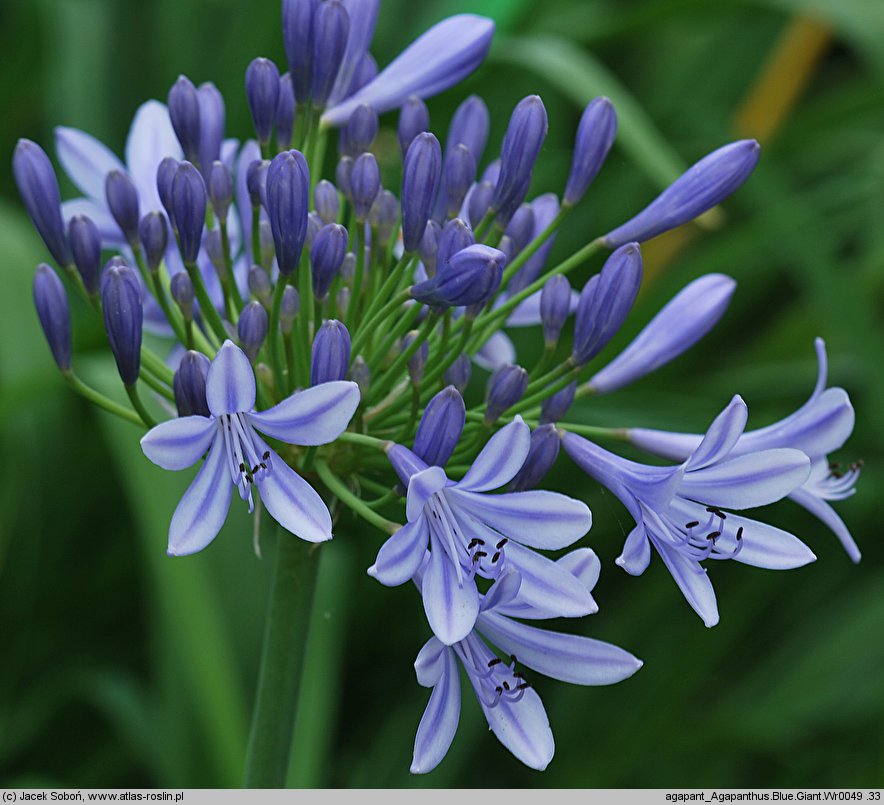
821	426
315	416
472	533
511	706
678	509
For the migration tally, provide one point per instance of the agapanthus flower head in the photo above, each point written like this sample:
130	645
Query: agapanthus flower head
238	454
680	510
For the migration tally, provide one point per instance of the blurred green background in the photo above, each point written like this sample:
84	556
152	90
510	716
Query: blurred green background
124	668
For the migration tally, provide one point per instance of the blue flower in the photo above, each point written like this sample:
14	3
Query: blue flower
471	533
513	709
821	426
312	417
678	509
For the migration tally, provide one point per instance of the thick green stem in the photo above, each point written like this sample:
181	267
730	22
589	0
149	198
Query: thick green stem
282	661
97	398
352	501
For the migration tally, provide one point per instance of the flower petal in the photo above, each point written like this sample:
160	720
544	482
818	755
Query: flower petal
151	139
86	160
722	435
692	580
179	443
421	486
317	415
497	351
548	586
439	722
429	664
636	554
203	508
822	510
500	459
401	555
291	501
537	518
108	228
570	658
451	608
584	564
503	591
752	480
438	59
230	386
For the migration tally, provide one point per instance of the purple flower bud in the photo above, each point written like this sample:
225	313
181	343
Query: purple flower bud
605	302
153	231
331	26
285	113
521	228
429	247
326	257
360	374
252	329
365	184
469	127
521	145
420	183
51	302
342	298
184	112
683	321
701	187
509	209
418	361
220	189
555	305
542	454
348	267
460	172
259	285
262	93
189	384
39	191
459	373
413	119
470	277
297	36
440	427
256	181
189	205
343	173
181	291
288	201
361	129
595	136
556	406
85	242
480	201
291	302
123	315
384	215
454	237
215	250
325	199
366	72
331	353
122	201
505	388
212	119
545	208
166	171
314	224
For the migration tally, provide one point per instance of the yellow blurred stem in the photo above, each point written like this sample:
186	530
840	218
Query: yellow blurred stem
792	62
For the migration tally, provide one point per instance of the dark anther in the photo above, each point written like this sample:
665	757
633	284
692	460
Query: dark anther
266	455
498	689
501	543
495	661
242	467
506	685
692	524
474	542
495	558
523	685
518	675
739	533
513	659
263	466
714	535
478	555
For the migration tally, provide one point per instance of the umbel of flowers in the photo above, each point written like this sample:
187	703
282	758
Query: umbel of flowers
314	333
